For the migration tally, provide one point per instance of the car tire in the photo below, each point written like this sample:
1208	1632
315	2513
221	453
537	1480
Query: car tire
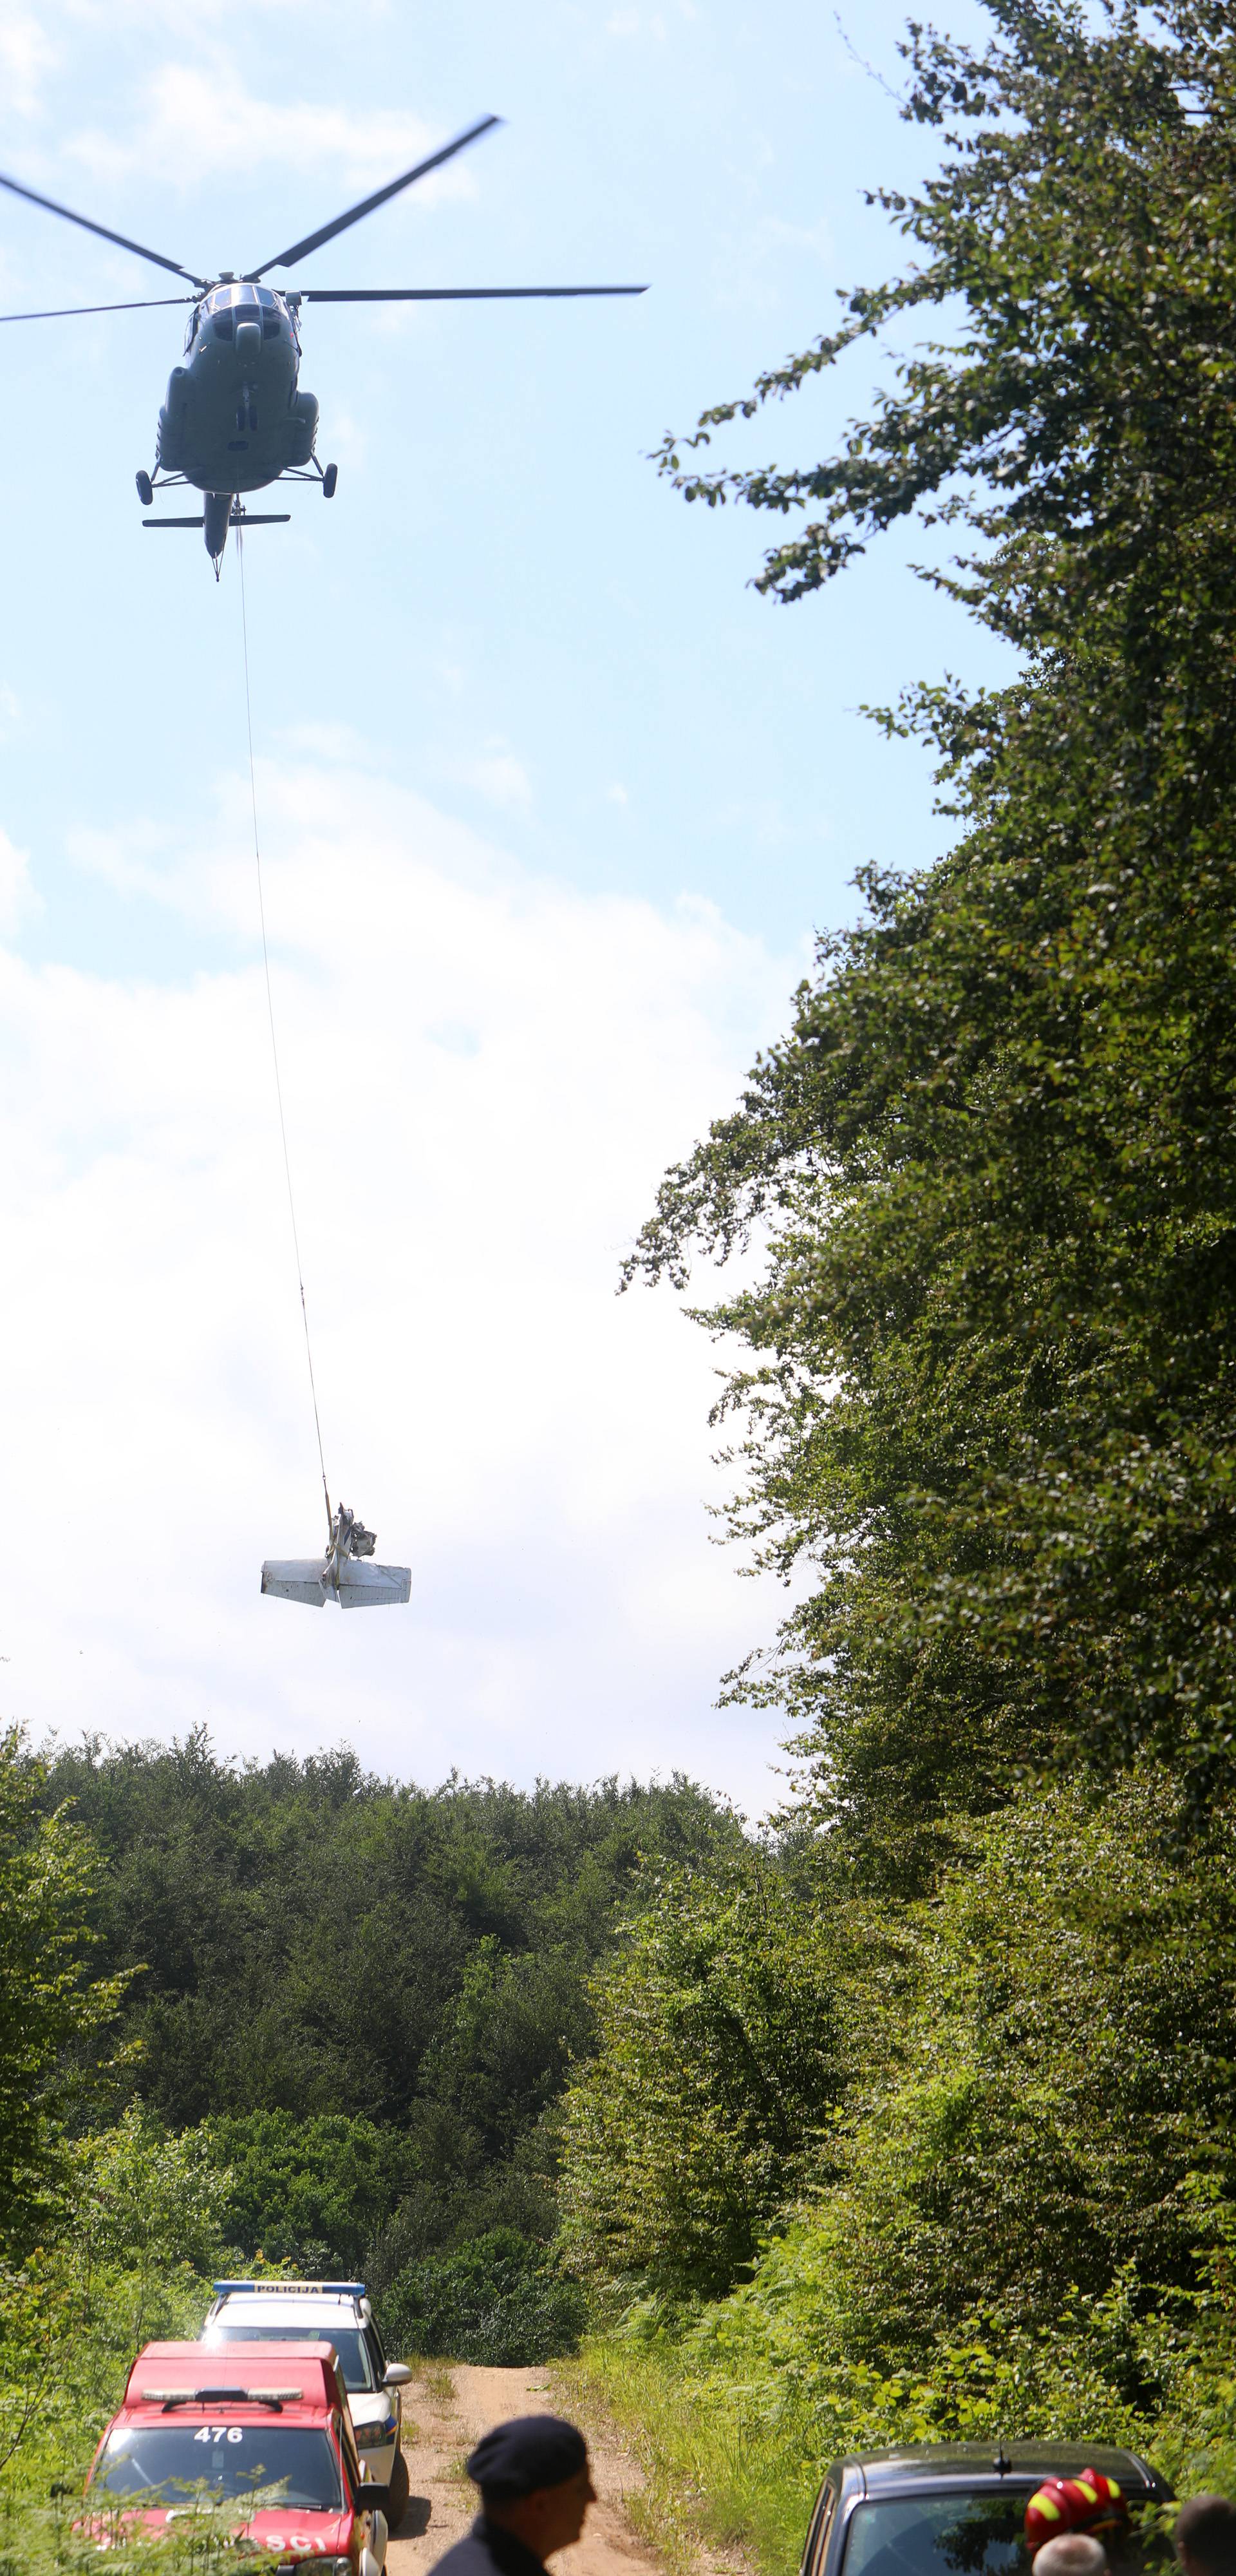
397	2493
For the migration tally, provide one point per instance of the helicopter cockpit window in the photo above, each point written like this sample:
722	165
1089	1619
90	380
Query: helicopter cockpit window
271	319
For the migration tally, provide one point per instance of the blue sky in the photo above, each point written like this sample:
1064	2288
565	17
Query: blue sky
552	803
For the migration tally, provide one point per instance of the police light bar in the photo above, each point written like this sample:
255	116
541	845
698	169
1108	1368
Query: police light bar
293	2289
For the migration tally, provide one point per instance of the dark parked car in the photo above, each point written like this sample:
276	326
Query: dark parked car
955	2508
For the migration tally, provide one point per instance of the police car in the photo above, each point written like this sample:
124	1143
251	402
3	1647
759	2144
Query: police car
337	2312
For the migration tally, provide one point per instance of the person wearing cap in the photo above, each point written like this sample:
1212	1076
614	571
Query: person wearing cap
1205	2536
535	2486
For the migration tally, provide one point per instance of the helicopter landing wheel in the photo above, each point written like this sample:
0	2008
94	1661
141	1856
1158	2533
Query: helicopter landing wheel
145	490
329	480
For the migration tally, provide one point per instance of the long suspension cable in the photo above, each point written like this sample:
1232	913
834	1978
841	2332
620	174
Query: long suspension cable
270	1013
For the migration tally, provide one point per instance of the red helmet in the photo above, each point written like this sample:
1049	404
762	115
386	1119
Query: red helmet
1091	2502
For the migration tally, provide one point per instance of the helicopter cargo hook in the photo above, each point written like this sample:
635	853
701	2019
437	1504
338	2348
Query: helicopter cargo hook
236	418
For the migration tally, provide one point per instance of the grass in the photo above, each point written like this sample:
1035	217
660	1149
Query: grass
730	2459
436	2378
716	2473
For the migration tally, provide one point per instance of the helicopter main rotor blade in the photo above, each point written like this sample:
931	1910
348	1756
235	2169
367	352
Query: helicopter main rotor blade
447	294
327	232
62	312
122	239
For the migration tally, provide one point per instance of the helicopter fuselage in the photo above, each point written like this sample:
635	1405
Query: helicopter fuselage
235	417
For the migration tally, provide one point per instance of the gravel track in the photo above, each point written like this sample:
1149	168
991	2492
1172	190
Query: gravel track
446	2409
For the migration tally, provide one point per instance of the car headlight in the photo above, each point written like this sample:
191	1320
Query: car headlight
370	2437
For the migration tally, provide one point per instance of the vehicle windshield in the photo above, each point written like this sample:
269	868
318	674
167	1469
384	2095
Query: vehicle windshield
170	2463
953	2535
355	2365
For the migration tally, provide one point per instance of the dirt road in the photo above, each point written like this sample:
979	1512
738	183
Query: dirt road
445	2411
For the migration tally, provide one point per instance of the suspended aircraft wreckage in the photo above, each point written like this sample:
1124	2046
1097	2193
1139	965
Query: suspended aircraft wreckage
236	419
344	1575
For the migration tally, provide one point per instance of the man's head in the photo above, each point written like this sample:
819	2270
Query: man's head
535	2481
1073	2553
1205	2536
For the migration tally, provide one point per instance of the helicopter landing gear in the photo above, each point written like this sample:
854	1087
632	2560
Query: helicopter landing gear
329	480
145	490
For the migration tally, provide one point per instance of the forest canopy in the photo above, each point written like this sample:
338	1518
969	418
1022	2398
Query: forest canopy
367	1994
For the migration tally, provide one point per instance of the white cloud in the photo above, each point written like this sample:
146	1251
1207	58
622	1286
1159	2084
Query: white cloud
485	1074
116	17
616	795
15	897
185	134
772	235
34	45
500	778
751	266
27	55
629	22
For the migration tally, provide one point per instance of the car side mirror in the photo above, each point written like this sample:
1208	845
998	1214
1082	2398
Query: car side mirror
396	2375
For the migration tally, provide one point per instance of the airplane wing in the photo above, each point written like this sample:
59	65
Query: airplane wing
367	1587
296	1578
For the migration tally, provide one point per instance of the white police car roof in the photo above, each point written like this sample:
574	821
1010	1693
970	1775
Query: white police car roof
292	2289
247	2302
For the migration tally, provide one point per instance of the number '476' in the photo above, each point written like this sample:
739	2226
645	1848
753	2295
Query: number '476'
220	2433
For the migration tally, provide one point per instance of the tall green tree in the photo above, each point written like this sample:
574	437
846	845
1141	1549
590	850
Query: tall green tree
722	2049
991	1398
50	2008
1077	242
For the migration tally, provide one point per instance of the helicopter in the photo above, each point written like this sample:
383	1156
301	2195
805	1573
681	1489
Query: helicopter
236	418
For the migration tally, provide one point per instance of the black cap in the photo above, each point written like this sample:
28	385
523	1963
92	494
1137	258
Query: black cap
531	2451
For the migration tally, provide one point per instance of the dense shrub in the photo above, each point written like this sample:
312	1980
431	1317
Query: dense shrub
500	2298
725	2041
309	2193
1023	2113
